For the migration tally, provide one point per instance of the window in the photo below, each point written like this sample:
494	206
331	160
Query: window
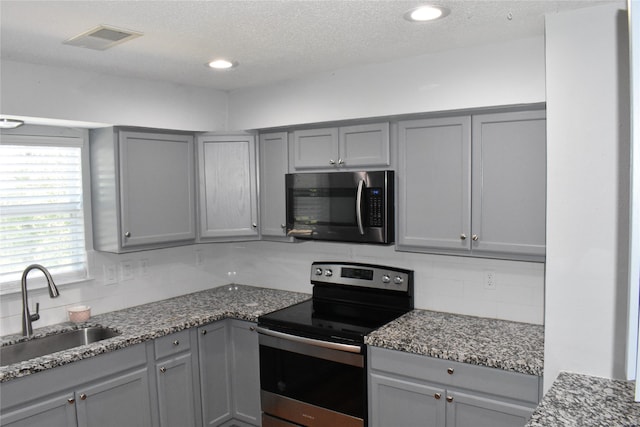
42	206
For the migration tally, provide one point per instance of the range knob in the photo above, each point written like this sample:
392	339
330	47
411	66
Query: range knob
386	278
398	280
328	273
318	272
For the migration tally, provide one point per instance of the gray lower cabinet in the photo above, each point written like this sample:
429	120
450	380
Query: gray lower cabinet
215	383
227	187
245	372
107	390
273	167
473	185
409	390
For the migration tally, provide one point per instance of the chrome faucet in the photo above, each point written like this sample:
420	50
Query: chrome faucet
27	318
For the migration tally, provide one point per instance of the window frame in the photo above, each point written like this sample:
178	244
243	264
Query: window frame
38	135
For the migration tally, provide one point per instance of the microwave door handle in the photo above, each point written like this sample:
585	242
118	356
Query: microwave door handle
359	206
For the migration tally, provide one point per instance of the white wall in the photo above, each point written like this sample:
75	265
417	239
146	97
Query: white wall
443	283
64	93
587	167
499	74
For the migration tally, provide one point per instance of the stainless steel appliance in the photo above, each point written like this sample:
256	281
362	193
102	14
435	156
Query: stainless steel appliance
342	206
312	354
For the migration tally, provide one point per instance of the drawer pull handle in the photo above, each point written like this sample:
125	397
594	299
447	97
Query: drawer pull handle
163	369
449	399
176	343
71	400
450	371
83	396
437	396
204	332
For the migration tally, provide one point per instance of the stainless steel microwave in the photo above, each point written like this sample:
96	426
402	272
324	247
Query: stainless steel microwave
341	206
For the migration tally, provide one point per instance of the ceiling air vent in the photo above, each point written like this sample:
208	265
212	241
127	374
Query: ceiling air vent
102	37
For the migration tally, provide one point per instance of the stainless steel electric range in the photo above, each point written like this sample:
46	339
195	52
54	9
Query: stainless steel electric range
312	354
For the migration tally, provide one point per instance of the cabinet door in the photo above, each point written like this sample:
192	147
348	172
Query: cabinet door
56	411
434	184
123	400
176	391
469	410
401	403
364	146
214	373
273	167
245	372
157	196
315	149
228	192
509	183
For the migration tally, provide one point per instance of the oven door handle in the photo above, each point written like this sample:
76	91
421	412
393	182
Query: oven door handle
351	348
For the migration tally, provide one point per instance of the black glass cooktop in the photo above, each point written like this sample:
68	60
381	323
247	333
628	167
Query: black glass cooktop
333	320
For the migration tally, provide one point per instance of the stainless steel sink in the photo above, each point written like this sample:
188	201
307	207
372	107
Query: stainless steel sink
36	347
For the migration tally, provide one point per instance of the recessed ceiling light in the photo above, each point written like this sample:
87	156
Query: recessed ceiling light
10	123
426	13
222	64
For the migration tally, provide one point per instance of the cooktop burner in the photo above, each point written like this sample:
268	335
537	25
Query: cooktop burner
349	301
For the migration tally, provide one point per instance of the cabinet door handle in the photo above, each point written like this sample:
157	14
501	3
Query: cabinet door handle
127	234
332	162
163	369
437	396
252	328
450	371
176	343
83	396
254	225
283	226
463	236
204	332
340	162
71	400
474	237
449	399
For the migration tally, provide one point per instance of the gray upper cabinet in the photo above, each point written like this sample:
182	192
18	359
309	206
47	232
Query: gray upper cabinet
142	189
509	183
473	185
347	147
434	182
228	196
273	167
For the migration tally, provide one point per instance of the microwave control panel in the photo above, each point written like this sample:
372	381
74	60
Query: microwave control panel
375	207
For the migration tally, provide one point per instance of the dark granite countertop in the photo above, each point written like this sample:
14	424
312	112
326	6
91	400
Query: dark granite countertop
501	344
154	320
576	400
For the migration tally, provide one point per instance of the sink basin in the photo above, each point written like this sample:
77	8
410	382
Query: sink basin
36	347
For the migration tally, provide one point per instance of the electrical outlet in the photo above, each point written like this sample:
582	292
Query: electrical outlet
143	267
126	270
110	274
490	280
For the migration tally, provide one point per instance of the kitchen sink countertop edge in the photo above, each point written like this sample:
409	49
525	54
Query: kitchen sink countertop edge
154	320
494	343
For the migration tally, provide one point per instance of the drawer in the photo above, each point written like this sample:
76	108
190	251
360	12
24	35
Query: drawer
172	344
495	381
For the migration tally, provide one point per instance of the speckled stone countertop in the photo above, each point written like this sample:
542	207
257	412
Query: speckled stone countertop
154	320
501	344
576	400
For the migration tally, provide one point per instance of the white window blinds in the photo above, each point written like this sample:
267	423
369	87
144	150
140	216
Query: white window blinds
41	209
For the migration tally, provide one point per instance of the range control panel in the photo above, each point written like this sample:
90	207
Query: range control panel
362	275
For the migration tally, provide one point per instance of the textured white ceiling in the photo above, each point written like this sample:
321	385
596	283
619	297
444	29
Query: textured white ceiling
271	40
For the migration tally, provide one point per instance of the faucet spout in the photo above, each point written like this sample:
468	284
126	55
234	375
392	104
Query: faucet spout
28	318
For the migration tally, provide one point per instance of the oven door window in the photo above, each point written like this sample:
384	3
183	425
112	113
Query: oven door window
329	384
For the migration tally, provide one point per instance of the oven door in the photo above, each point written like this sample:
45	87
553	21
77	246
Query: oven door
310	382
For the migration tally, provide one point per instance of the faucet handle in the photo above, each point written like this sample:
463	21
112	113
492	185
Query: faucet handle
36	316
